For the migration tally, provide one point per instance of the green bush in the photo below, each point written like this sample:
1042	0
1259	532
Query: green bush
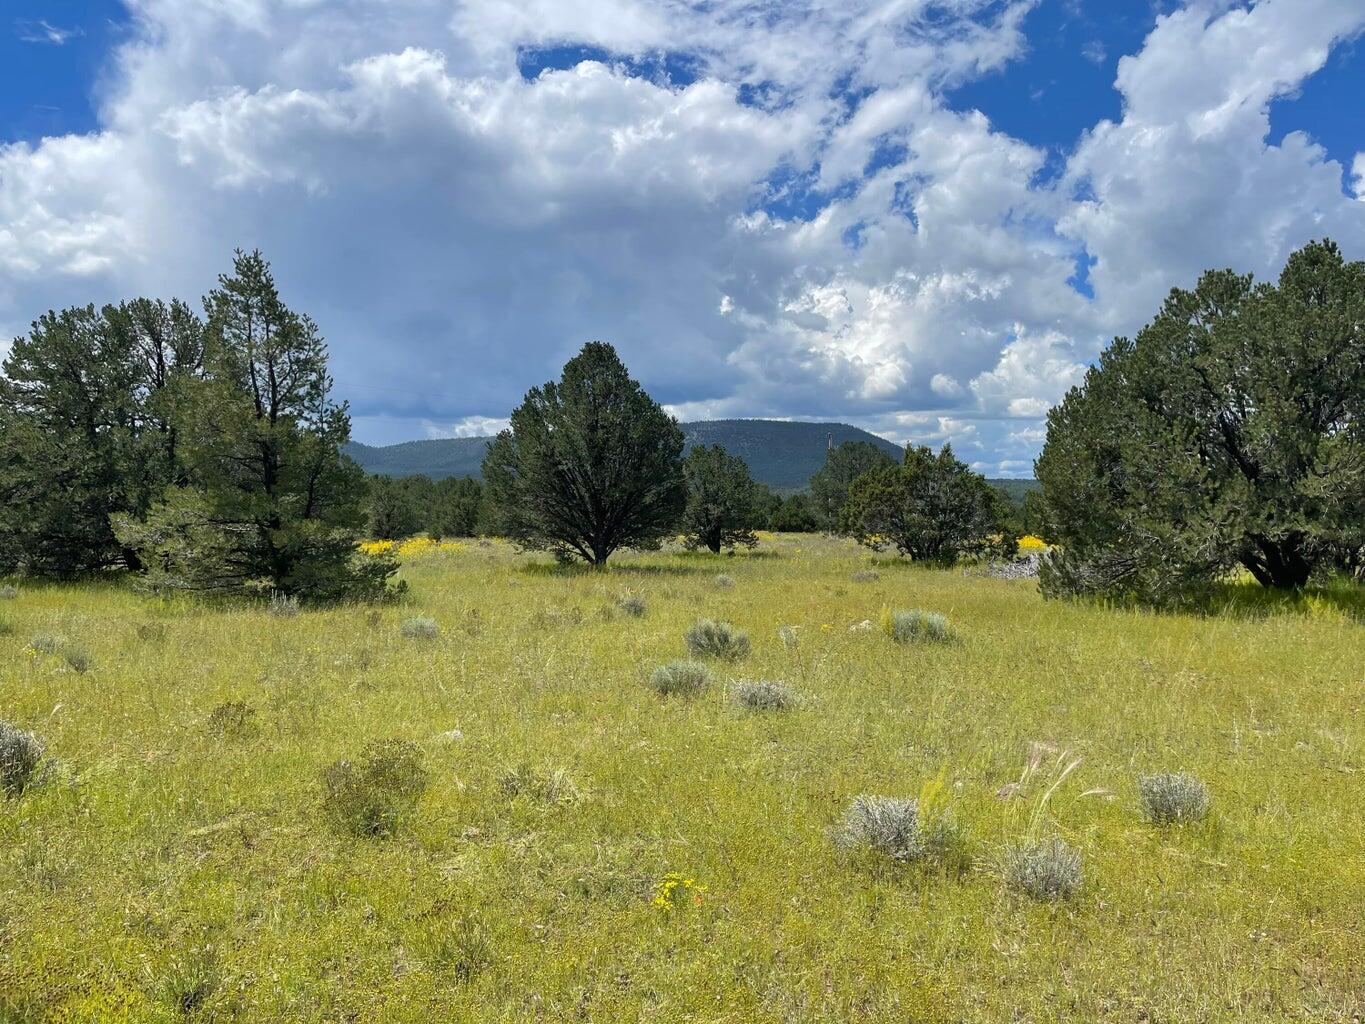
367	797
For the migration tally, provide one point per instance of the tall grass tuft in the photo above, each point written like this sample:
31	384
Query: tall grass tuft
763	695
1045	870
711	639
554	787
680	679
917	627
20	754
282	605
367	797
419	628
1173	798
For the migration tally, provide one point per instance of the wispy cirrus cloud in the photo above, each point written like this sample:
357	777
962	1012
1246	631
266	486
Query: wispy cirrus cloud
45	32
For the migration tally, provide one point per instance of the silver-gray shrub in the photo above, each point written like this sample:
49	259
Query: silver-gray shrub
1169	798
8	592
764	695
78	658
891	826
632	605
866	576
45	643
680	679
711	639
920	627
722	580
20	754
1045	870
419	628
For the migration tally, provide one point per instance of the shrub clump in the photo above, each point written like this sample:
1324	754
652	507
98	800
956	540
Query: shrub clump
724	582
892	826
918	627
78	658
8	592
632	605
711	639
419	629
680	678
1047	870
866	576
1171	798
45	643
366	797
763	695
20	754
234	719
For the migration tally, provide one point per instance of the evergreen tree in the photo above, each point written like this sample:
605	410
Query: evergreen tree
86	403
931	507
393	512
844	464
796	514
589	465
1230	432
457	508
723	502
270	502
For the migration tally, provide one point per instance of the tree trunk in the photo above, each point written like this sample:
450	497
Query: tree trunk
1281	564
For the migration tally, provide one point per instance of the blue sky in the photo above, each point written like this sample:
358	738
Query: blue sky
922	217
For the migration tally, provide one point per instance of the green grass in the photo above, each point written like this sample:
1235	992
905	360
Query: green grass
167	870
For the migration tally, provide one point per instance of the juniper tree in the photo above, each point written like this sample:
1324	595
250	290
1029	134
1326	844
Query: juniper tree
844	464
1230	431
589	465
930	507
723	502
87	401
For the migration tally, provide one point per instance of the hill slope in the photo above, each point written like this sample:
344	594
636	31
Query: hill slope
780	453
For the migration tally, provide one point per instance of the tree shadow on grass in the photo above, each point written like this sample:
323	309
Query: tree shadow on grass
572	569
1340	600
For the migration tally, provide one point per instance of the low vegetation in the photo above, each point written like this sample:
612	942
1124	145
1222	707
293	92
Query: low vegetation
314	818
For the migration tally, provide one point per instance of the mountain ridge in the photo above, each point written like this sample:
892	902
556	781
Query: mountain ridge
783	454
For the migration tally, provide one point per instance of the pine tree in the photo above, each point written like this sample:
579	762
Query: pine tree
270	503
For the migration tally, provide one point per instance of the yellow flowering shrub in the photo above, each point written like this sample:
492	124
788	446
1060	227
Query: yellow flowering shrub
410	548
676	890
1029	544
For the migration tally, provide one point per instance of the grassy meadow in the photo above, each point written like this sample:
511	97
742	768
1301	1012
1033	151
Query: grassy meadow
170	868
